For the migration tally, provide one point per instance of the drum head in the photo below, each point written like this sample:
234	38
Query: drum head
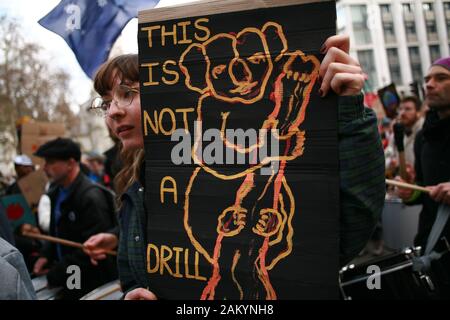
109	291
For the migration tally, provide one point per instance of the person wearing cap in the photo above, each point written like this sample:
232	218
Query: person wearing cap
23	166
79	209
432	152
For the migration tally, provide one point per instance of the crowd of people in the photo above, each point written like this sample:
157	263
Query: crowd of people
415	145
98	200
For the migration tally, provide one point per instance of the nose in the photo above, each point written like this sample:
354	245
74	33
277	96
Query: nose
430	83
114	110
46	169
241	71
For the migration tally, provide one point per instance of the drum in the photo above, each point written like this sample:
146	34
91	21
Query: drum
43	292
399	223
397	278
109	291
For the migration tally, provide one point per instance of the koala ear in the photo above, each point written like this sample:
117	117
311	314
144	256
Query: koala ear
276	40
193	65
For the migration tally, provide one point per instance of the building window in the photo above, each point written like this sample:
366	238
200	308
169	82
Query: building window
408	8
394	65
385	8
430	21
447	17
409	21
427	6
431	27
359	19
389	33
435	53
367	62
448	29
410	29
432	34
416	66
387	23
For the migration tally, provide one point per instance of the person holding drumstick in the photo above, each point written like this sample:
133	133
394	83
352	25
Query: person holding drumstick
79	210
432	152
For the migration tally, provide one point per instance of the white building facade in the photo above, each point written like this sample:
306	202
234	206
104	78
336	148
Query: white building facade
395	40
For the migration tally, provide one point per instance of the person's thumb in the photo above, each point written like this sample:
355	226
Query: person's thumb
94	262
92	243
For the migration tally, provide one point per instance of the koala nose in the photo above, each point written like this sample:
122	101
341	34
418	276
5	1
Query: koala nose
241	72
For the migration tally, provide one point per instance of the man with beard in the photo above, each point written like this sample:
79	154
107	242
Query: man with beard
409	117
432	152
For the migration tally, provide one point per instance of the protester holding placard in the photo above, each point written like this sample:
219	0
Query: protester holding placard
432	154
117	82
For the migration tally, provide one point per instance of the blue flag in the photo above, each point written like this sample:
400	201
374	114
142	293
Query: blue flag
90	27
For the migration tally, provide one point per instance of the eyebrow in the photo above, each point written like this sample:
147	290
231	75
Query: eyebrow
126	82
437	74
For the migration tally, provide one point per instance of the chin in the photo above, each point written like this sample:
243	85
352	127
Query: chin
132	145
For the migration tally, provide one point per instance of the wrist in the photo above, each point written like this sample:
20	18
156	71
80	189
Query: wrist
350	107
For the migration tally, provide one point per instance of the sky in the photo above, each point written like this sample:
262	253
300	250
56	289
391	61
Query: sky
55	49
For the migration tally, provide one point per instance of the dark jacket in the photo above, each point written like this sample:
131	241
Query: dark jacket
362	190
87	210
432	153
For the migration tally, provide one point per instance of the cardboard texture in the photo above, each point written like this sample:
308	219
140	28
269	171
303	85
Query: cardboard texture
241	153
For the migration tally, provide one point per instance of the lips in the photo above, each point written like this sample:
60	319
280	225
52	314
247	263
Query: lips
123	128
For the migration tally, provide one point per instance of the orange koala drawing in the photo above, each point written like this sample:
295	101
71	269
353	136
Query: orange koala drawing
247	80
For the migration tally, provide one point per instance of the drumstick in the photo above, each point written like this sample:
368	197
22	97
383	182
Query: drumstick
64	242
406	185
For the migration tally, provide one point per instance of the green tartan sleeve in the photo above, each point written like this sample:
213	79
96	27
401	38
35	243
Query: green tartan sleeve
127	280
362	182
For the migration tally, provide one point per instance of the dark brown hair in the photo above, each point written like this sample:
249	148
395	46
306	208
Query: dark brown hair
126	67
414	100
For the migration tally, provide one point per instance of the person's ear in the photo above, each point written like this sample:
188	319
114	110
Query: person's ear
276	40
194	67
72	162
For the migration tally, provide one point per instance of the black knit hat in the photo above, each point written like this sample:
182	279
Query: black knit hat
60	148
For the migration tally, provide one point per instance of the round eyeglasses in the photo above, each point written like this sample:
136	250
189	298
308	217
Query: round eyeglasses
122	97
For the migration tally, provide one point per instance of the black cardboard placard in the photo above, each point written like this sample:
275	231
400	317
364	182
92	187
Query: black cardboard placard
265	227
